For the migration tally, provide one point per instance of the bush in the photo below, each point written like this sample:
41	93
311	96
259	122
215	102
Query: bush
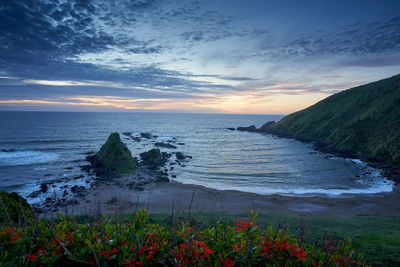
63	241
13	208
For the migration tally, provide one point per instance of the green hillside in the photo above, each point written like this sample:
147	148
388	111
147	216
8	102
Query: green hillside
364	119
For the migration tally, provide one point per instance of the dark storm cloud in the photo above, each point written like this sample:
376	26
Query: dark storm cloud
33	29
38	39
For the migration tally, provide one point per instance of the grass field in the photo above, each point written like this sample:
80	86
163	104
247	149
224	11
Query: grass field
378	238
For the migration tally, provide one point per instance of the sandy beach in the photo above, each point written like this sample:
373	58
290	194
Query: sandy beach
163	197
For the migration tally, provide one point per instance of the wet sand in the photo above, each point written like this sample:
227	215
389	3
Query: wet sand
164	197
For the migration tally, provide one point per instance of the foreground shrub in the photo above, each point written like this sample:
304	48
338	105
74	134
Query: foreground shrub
13	208
63	241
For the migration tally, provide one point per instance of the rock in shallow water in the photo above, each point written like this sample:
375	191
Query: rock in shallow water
154	158
146	135
166	145
114	155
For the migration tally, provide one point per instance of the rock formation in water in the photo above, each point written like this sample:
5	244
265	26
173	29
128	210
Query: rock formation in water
114	155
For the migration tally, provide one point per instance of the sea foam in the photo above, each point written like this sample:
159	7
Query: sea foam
26	157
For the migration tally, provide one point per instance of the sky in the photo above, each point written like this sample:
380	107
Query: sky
211	56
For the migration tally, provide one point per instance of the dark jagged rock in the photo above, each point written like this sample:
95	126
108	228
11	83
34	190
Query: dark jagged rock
152	154
154	158
146	135
166	145
162	179
232	129
266	127
86	168
113	156
134	138
80	190
251	128
8	150
44	187
181	156
35	194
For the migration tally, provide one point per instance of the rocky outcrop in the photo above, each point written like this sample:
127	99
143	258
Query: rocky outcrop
146	135
154	158
134	138
266	127
180	156
114	156
165	145
8	150
251	128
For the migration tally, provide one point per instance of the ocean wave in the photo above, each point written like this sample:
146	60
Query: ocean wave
378	185
26	157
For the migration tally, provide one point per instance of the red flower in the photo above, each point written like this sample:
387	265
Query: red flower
31	257
68	237
190	253
41	251
227	262
104	253
238	247
108	253
91	261
132	264
141	251
14	238
55	242
243	224
300	254
265	249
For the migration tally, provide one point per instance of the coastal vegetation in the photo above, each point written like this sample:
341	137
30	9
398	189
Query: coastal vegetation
64	241
13	208
185	238
363	122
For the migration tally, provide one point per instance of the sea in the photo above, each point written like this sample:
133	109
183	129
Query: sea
36	147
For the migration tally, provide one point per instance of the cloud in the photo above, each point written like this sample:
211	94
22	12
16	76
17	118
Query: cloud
358	39
59	51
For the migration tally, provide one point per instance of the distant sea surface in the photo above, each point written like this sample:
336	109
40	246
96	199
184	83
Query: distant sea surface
44	146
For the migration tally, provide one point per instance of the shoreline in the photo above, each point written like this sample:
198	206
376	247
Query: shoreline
388	170
150	188
167	197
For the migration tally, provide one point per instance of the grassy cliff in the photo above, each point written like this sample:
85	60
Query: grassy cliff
363	120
